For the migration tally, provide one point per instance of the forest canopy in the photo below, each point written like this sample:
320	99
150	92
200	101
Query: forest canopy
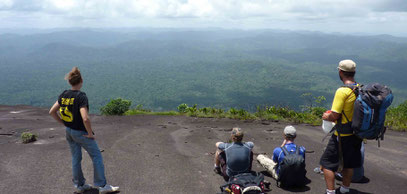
161	69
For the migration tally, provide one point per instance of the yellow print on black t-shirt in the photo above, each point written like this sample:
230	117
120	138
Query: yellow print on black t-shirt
66	115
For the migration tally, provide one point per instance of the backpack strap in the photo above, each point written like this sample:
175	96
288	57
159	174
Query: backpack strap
348	124
329	133
297	151
259	178
223	187
340	152
354	88
285	150
345	117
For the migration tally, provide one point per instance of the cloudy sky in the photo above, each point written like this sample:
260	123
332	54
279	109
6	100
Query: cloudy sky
345	16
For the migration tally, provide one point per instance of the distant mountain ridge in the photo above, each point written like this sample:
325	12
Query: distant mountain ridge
222	68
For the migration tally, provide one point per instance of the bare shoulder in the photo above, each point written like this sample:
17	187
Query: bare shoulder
250	144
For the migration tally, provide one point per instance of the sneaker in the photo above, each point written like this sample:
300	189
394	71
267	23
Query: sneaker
108	189
217	170
318	170
338	191
267	184
83	188
338	176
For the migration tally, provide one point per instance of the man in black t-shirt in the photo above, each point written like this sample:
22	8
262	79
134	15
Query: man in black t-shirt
73	108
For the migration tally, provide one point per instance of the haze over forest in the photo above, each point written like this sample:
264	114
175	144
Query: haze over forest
162	68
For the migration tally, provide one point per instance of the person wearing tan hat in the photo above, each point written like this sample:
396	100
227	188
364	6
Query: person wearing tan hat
343	150
233	158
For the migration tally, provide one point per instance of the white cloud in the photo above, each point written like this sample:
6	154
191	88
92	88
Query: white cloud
197	13
64	5
4	4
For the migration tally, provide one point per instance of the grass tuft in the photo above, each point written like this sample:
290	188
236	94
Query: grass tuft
28	137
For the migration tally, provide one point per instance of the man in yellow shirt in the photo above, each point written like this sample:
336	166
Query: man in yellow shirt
343	147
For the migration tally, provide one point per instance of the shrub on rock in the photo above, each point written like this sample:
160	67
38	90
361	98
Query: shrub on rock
28	137
116	107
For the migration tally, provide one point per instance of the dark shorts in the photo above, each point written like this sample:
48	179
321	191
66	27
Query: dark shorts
222	159
352	158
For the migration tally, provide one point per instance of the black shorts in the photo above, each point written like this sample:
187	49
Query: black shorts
352	157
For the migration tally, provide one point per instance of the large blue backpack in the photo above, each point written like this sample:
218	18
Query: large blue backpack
369	112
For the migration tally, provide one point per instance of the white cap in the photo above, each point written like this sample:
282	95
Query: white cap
290	130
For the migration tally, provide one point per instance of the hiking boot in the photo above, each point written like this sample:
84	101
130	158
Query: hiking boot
83	188
108	189
217	170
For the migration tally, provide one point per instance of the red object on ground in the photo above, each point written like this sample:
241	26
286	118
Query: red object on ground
328	111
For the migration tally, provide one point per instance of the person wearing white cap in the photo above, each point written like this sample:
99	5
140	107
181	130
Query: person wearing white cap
342	153
273	165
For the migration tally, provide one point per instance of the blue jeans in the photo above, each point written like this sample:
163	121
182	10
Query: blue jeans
76	142
358	173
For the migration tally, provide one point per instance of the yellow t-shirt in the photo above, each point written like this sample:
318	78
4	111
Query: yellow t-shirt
343	101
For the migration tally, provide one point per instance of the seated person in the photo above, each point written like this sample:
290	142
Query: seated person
273	166
233	158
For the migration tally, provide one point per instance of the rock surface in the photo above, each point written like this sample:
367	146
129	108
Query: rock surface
142	156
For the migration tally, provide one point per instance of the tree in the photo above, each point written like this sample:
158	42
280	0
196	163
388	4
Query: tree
116	106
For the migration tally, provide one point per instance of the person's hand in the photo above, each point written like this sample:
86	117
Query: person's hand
325	116
90	136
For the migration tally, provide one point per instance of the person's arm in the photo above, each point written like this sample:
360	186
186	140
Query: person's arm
221	146
53	112
284	142
250	145
86	122
337	106
332	116
275	155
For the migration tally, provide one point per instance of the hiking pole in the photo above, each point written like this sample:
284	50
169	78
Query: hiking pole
340	153
340	168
